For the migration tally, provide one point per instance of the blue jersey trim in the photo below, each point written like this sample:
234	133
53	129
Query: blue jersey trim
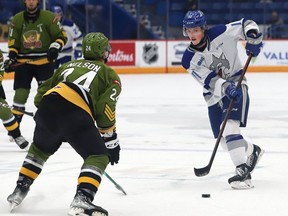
67	22
186	58
208	79
215	31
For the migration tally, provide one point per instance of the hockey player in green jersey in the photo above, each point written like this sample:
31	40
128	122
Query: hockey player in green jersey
7	117
33	34
80	93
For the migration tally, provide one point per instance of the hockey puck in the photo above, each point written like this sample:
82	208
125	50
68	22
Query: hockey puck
206	196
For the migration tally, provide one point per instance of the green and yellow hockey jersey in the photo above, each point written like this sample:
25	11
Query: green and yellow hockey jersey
32	38
1	67
95	78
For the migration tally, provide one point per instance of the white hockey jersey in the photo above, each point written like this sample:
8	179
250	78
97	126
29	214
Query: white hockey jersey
74	35
219	61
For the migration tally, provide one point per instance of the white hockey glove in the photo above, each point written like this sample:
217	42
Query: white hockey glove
112	145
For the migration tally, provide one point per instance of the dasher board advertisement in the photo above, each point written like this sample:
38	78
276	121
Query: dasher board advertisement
151	54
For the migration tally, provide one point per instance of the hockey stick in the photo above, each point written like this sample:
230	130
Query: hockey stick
205	170
16	65
115	183
32	114
16	109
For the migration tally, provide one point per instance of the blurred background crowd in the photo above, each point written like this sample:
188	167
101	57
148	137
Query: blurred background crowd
157	19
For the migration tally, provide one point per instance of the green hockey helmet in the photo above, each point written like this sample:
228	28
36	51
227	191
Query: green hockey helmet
96	46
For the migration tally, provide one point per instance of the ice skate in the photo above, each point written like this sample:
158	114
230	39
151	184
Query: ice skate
10	138
82	206
20	192
242	179
254	158
22	142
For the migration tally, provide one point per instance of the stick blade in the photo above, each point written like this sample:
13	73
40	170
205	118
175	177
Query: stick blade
12	206
202	171
121	189
115	184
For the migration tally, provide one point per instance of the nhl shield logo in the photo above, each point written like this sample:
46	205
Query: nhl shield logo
150	53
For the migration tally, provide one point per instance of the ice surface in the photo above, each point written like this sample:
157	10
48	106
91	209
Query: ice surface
164	132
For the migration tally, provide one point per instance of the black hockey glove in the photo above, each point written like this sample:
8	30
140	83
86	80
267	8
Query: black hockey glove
254	44
53	51
232	92
112	145
8	63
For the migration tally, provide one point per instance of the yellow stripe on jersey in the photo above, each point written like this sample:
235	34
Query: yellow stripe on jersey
109	113
36	62
60	40
88	180
16	112
28	173
12	127
102	130
11	43
71	95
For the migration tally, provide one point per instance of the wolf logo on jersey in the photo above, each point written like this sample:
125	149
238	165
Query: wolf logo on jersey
219	65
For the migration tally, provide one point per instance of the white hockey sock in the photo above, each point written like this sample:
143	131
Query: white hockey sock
237	148
238	155
250	148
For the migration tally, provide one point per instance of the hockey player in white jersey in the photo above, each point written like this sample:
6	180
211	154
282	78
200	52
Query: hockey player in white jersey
69	52
212	59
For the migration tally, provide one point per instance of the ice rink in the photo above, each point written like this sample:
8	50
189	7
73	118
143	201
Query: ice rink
164	133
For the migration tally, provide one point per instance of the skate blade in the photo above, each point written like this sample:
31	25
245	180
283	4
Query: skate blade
79	212
13	206
27	148
98	214
83	214
239	185
11	139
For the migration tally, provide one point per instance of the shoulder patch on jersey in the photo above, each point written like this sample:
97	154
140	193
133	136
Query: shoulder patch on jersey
118	83
215	31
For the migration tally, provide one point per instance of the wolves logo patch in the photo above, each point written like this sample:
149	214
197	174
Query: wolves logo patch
219	65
